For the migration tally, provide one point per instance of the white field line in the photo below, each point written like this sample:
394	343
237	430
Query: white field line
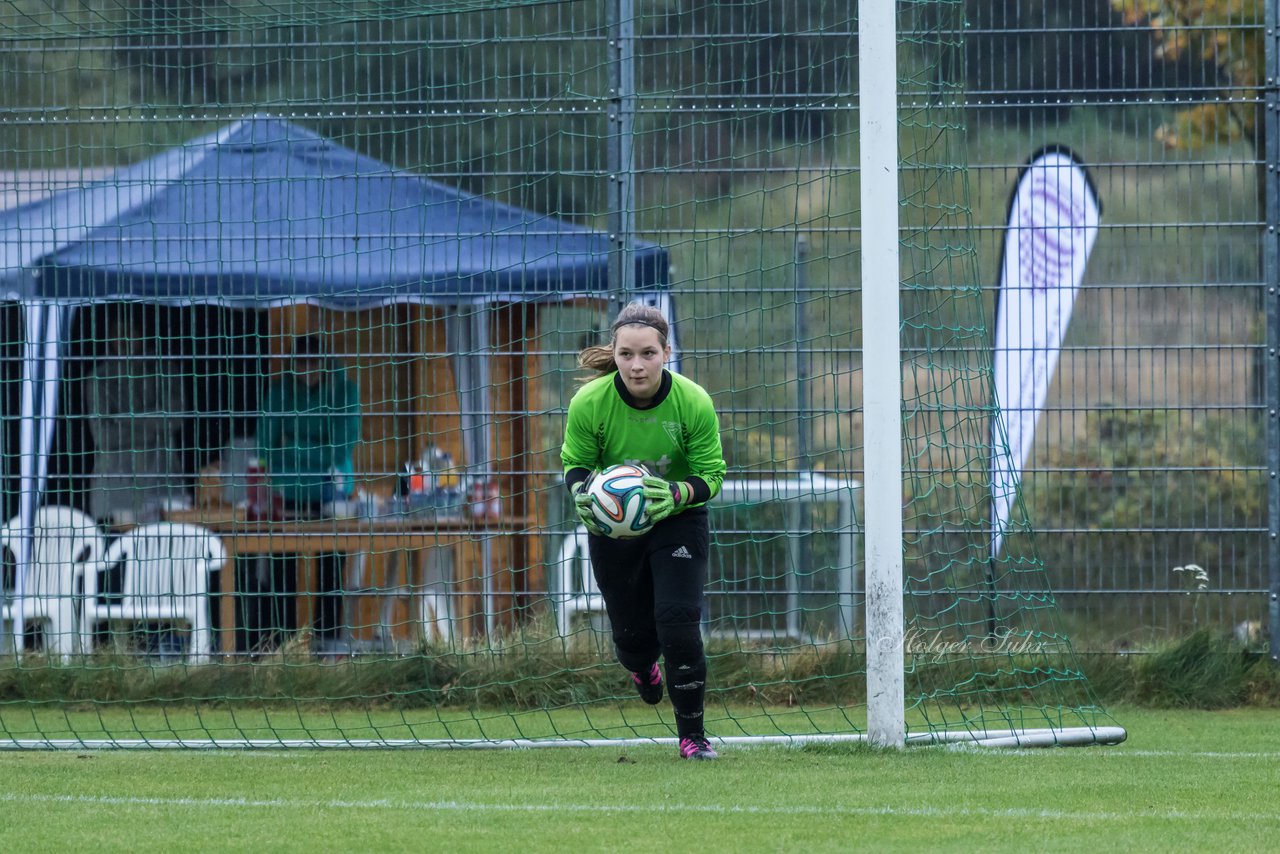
647	809
1111	752
1273	755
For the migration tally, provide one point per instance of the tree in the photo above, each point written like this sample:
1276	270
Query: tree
1229	36
1226	35
1033	59
181	47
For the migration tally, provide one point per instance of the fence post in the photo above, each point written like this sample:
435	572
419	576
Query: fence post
621	59
804	410
1271	283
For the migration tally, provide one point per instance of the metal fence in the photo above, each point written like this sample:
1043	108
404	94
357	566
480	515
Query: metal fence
1157	448
726	132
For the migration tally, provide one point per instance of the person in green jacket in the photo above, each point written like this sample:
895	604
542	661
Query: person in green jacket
309	428
307	435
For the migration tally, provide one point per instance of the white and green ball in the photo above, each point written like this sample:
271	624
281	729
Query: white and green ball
618	502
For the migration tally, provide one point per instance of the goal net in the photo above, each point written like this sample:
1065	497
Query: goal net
293	295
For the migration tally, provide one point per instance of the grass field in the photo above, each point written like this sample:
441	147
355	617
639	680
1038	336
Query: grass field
1183	780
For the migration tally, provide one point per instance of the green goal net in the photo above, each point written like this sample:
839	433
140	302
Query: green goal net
293	296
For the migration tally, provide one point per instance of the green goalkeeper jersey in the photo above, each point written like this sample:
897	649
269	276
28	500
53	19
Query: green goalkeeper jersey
677	437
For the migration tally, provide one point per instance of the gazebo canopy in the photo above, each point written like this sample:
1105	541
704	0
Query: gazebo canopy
265	212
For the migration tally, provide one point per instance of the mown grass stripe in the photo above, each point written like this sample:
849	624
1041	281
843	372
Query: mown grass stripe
724	809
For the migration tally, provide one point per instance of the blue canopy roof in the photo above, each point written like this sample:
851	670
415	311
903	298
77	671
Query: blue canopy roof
264	211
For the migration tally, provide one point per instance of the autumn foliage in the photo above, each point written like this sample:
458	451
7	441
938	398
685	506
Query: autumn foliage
1226	34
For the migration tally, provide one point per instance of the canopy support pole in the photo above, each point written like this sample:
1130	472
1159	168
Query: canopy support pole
468	334
42	342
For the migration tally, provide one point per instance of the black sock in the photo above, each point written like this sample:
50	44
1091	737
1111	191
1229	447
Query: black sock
686	674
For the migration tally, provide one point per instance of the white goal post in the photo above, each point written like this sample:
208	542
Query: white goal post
882	407
882	369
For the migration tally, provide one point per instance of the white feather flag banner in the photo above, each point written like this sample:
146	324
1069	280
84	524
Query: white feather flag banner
1052	226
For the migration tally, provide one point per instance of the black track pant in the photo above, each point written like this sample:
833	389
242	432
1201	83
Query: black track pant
653	592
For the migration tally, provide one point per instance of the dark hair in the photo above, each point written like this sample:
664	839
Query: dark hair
599	357
312	349
132	324
309	347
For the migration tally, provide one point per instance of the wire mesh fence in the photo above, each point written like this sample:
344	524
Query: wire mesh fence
1152	453
734	192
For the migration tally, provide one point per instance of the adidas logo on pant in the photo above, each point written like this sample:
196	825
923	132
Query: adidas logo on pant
682	552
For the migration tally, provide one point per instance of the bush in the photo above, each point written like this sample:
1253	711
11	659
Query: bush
1204	671
1144	492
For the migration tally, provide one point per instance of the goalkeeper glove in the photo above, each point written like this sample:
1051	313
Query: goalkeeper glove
663	497
582	506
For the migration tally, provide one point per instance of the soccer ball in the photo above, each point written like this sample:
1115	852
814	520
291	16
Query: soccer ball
618	502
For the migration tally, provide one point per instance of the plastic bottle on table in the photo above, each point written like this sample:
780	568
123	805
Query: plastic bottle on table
484	499
257	490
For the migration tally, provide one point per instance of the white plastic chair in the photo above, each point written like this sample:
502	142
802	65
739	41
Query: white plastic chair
65	551
576	590
166	578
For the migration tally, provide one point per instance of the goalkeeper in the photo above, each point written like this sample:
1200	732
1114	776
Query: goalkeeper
638	412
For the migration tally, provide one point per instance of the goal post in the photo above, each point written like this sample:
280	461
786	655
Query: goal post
882	364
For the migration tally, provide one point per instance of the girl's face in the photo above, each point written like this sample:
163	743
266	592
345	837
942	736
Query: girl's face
639	353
